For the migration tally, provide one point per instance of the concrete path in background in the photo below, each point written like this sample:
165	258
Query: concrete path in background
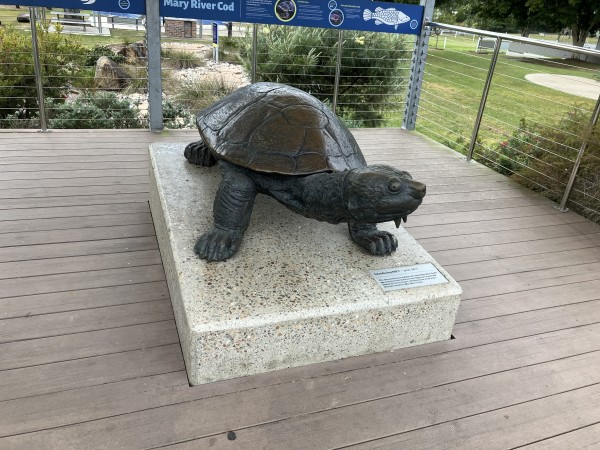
583	87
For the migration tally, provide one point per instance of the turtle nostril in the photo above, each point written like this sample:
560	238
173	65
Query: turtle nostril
420	188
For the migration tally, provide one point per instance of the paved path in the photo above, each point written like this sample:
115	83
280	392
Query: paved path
583	87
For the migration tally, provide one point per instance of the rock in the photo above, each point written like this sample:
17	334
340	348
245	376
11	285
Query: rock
135	50
109	75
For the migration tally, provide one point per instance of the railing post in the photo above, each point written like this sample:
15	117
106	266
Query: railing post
417	69
486	90
338	69
254	52
37	70
584	144
154	71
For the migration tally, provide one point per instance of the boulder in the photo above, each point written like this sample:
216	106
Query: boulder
135	50
109	75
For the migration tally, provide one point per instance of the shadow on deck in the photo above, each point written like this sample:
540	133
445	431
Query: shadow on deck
89	353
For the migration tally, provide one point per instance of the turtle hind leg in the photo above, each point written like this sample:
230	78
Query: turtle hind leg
198	153
376	242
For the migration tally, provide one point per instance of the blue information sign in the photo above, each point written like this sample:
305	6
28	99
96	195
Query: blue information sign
348	15
215	31
119	6
345	15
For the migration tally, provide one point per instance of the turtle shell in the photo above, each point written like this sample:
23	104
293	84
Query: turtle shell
270	127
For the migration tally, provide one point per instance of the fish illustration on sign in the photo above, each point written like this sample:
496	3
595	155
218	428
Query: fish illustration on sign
388	16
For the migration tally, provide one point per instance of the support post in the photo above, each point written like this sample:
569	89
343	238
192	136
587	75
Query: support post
154	70
584	144
486	90
338	69
417	69
37	70
254	51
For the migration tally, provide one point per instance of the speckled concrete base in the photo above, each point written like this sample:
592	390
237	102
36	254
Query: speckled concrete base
298	291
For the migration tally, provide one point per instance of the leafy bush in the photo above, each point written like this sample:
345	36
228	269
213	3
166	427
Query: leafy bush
306	58
102	50
542	157
60	59
100	110
515	153
176	116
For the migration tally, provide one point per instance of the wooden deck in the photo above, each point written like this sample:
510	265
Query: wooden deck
89	352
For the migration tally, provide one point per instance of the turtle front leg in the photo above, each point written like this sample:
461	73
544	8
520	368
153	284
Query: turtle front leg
231	211
374	241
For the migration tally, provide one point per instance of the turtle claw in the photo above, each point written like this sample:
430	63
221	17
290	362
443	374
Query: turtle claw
381	243
218	244
376	242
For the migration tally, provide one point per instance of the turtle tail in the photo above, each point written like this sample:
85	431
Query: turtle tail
199	154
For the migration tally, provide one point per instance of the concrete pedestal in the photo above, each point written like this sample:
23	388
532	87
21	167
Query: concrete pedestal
298	291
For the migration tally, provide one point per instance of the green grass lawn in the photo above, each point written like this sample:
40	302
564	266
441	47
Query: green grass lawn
453	85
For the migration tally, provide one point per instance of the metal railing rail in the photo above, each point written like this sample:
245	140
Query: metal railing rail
37	69
520	39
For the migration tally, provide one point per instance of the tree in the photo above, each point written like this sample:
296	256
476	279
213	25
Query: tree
507	15
581	16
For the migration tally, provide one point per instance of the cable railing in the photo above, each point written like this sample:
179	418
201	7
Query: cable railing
542	130
83	73
361	75
478	100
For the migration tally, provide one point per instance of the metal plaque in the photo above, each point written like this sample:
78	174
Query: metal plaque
408	277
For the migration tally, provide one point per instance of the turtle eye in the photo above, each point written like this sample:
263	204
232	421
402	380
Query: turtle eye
394	185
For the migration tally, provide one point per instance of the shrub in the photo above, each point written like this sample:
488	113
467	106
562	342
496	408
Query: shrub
515	153
229	50
306	58
541	157
99	110
60	59
102	50
177	116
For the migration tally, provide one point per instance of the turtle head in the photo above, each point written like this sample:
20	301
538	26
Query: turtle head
379	193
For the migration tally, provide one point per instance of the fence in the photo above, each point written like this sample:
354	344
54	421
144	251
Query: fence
361	75
496	106
534	134
69	84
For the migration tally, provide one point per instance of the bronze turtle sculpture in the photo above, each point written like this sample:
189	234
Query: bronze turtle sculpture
277	140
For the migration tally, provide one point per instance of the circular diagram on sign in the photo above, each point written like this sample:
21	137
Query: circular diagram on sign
336	17
285	10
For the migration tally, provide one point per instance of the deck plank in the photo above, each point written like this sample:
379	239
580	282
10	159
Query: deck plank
61	223
512	426
587	437
89	353
334	417
58	302
56	349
